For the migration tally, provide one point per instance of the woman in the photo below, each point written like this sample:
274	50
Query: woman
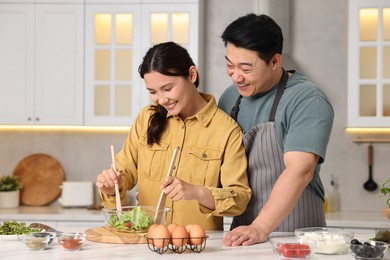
209	177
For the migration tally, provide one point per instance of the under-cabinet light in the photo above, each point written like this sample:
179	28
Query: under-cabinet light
368	130
63	128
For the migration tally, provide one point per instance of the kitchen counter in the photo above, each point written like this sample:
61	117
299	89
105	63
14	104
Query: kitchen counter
357	219
52	213
94	250
92	217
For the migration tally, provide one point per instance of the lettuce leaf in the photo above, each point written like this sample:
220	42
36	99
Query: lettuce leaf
139	220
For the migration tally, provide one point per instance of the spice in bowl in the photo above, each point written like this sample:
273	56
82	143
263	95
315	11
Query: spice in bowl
51	235
36	243
71	241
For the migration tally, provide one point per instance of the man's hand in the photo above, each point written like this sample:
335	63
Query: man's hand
244	236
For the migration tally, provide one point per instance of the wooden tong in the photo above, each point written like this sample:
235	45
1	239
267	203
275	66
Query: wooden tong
161	202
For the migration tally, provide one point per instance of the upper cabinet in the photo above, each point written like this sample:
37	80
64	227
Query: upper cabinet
369	63
113	45
41	67
118	34
75	62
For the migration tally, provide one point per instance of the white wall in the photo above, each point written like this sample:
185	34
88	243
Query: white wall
318	34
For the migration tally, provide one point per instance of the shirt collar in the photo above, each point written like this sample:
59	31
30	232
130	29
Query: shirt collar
205	115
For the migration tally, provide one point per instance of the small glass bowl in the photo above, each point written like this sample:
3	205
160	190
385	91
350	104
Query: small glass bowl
71	241
35	243
330	241
370	250
51	235
292	247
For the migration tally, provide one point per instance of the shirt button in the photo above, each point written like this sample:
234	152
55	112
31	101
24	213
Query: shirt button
204	155
183	126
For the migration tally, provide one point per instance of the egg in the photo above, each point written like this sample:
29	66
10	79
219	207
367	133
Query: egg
159	236
179	236
188	227
197	234
171	227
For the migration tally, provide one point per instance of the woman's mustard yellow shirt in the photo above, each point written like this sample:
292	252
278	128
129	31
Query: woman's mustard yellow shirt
211	154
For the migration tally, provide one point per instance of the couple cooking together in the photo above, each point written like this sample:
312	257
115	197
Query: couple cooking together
255	156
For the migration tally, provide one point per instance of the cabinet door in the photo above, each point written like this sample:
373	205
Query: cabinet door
172	21
16	63
59	64
112	83
369	63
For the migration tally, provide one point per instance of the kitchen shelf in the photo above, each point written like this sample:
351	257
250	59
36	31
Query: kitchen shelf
371	140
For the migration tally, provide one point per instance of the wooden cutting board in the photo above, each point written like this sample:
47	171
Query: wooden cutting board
108	235
41	176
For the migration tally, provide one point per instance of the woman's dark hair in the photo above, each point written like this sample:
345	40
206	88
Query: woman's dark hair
168	59
258	33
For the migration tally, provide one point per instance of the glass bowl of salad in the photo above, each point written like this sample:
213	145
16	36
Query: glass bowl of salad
133	218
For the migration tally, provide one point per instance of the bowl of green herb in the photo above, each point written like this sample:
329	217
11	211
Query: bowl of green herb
12	230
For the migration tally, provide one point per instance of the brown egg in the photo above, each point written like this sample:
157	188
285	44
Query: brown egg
171	227
197	234
179	236
188	227
159	235
150	231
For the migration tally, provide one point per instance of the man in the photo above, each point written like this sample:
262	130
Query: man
286	120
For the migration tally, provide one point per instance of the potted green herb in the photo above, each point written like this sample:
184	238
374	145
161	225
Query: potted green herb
9	191
385	191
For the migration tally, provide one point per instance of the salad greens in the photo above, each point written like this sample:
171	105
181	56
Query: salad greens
13	227
133	220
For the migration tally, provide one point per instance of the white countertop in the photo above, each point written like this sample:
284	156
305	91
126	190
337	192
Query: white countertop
52	213
357	219
93	250
346	219
214	249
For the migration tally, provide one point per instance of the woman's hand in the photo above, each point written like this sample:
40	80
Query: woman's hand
177	189
106	180
244	236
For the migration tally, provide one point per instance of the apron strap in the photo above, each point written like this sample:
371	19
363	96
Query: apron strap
278	96
236	108
279	93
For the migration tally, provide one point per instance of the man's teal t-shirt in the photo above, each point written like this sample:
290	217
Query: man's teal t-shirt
303	119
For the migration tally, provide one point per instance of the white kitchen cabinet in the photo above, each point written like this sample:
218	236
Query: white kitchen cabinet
41	79
112	84
118	34
369	63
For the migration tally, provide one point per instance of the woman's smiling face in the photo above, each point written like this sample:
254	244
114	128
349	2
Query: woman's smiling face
172	92
250	73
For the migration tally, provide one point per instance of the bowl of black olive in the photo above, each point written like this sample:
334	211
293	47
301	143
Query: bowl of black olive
369	250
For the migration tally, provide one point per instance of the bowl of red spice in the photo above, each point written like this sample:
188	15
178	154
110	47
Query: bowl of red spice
71	241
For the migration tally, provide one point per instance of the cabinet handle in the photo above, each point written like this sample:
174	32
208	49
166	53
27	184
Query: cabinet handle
28	118
37	119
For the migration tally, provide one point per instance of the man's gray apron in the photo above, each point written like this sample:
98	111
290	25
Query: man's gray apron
265	165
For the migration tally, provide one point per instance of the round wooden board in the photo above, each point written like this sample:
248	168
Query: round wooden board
108	235
41	176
